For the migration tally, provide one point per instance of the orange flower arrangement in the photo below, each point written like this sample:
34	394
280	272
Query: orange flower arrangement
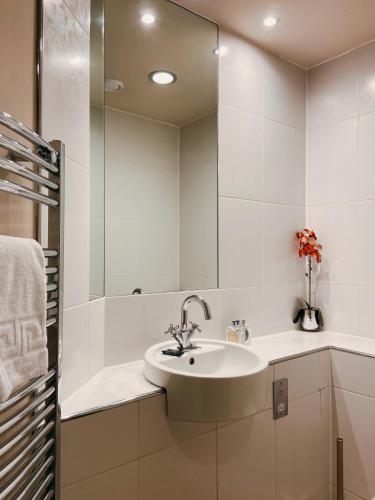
308	245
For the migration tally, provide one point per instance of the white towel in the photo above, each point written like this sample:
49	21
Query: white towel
23	295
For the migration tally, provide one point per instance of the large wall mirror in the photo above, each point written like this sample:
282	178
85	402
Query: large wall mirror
154	149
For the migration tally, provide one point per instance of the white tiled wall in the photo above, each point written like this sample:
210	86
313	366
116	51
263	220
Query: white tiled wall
261	206
341	186
65	116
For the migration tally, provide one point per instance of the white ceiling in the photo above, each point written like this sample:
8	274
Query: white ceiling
309	32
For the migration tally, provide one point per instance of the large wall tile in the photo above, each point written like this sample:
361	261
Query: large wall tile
98	443
332	91
332	174
241	74
353	420
181	472
246	459
133	324
76	237
75	355
157	431
280	304
281	265
366	228
66	81
96	335
366	155
241	303
240	243
340	254
353	373
284	92
300	438
240	154
118	484
366	301
302	374
284	164
366	68
81	11
339	306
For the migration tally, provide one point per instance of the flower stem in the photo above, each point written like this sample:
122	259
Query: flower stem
309	277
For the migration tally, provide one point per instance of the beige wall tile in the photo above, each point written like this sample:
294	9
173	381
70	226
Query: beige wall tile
183	472
117	484
353	372
302	374
325	368
353	421
157	431
246	459
301	454
98	443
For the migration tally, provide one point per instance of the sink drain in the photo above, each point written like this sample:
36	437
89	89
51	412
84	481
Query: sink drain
191	361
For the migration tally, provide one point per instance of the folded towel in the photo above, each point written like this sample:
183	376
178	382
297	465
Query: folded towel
23	295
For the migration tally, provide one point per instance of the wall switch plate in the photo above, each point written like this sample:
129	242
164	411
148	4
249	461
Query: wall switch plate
280	398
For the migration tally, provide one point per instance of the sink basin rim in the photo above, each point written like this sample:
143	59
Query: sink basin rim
150	359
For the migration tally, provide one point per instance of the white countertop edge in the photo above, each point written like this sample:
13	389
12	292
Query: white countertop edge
275	348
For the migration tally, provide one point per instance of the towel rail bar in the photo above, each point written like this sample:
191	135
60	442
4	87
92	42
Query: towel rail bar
25	494
29	428
49	252
17	168
32	413
26	391
14	420
11	123
17	481
22	453
38	494
26	153
12	187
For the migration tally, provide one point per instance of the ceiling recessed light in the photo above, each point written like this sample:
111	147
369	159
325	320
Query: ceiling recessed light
148	18
221	51
113	85
162	77
271	21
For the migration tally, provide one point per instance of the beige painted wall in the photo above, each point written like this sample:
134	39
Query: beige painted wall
17	97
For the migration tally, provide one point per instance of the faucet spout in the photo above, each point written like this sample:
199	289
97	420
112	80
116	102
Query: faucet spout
185	307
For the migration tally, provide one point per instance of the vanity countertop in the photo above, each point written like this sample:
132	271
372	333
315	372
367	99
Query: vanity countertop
126	383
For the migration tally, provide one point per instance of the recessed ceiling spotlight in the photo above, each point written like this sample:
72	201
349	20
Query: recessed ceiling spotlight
162	77
148	18
221	51
271	21
113	85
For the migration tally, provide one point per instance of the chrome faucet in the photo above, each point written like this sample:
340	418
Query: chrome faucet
183	334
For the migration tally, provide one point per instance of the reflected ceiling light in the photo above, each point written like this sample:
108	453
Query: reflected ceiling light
113	85
270	21
148	18
221	51
162	77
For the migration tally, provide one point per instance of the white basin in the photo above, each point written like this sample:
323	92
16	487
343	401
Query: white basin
219	381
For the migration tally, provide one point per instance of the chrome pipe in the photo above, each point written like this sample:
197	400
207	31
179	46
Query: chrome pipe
26	391
12	187
26	153
17	481
23	171
11	123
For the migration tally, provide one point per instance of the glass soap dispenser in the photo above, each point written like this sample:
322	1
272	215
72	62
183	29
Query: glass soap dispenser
239	332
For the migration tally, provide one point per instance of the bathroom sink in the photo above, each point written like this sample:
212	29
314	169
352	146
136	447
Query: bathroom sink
219	381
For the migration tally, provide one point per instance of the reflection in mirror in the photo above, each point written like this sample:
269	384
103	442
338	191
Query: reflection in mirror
160	148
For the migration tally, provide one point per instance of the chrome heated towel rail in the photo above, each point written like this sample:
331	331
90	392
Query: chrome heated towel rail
29	419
